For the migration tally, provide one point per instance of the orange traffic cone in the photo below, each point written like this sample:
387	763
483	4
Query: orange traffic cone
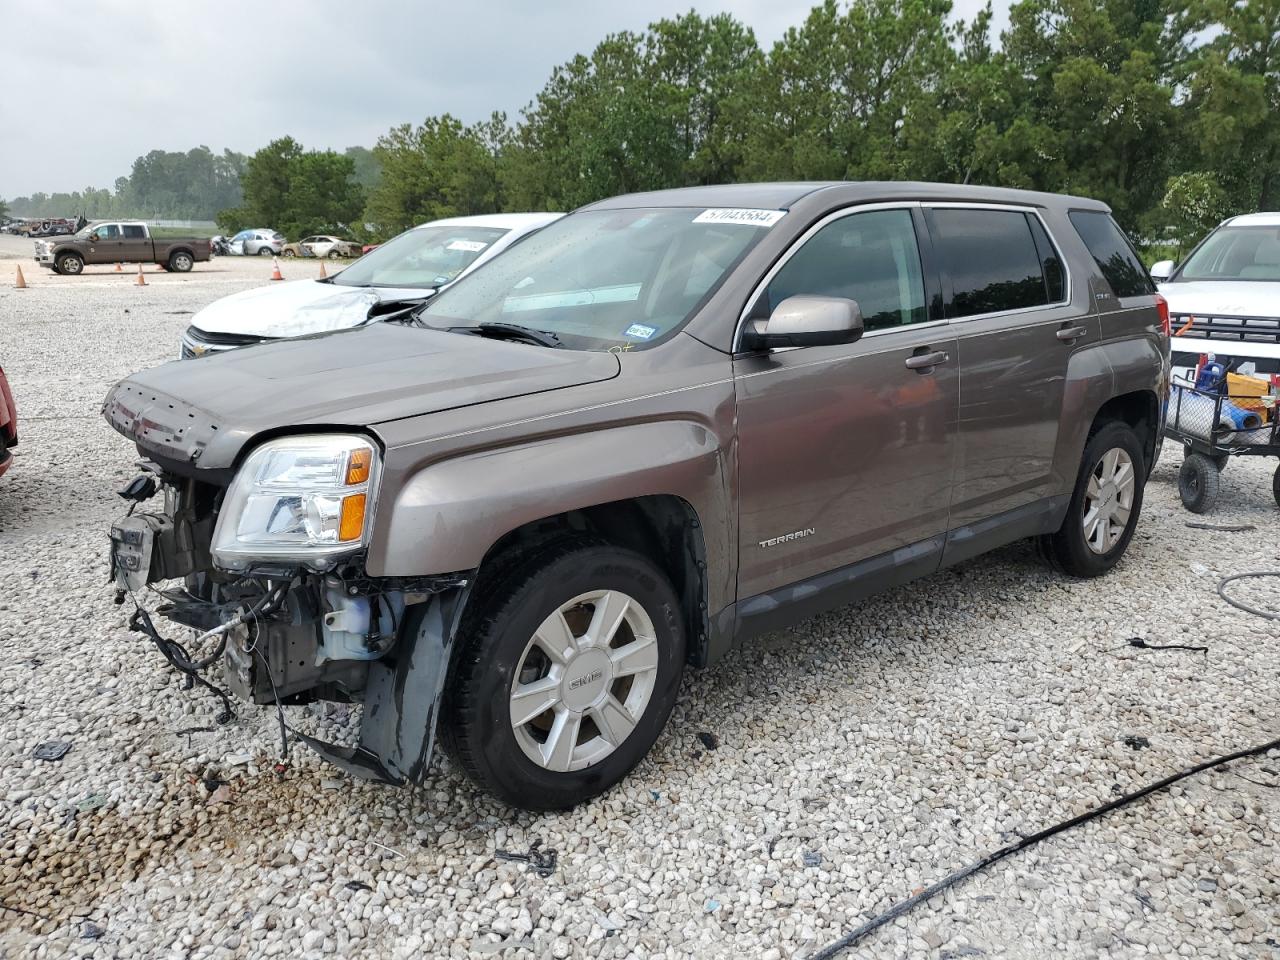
322	271
141	281
20	282
118	270
275	270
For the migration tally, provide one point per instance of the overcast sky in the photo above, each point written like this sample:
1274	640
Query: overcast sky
90	86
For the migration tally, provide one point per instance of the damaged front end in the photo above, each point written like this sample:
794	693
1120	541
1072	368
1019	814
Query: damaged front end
272	579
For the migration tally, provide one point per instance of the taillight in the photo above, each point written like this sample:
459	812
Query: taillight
1162	308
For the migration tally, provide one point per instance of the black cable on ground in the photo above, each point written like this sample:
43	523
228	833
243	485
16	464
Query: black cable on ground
1222	592
853	937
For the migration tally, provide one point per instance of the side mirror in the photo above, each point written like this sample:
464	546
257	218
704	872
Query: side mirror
1162	271
804	321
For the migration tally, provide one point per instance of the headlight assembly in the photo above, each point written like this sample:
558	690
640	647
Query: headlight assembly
306	500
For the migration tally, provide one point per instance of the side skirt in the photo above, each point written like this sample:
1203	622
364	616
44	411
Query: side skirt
788	605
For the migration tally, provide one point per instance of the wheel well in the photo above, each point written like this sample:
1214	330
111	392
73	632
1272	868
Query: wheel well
663	528
1139	410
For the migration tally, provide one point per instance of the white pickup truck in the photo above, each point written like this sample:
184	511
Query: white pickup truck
1224	298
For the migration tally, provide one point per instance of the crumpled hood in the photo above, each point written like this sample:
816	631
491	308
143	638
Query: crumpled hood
297	308
203	411
1227	298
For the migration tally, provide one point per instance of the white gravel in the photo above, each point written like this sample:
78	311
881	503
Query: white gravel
864	754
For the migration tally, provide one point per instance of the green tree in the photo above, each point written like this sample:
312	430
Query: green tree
1194	203
4	208
297	192
1233	104
842	92
437	169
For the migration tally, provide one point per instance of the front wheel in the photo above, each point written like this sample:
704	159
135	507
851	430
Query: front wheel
1104	507
567	673
69	264
1198	483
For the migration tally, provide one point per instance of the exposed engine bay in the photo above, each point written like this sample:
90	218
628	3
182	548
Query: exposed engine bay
284	635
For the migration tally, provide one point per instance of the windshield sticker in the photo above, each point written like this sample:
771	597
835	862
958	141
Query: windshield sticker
624	293
470	246
750	218
640	331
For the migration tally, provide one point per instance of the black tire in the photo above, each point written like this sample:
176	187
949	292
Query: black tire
1198	483
180	262
1275	486
334	255
266	252
287	254
501	619
69	265
1067	550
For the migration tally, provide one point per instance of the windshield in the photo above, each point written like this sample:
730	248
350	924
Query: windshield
1236	253
606	278
426	257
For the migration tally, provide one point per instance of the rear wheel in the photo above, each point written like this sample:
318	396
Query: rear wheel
1104	507
266	252
1198	483
70	264
569	670
181	262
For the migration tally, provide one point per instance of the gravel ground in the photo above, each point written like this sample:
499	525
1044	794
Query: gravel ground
809	781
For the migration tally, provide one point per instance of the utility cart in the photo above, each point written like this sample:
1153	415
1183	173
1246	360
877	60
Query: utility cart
1219	416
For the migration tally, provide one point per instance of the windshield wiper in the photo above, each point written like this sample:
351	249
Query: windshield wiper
513	331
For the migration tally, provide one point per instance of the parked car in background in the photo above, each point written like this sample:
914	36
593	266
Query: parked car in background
661	425
256	243
411	267
1223	298
333	248
8	424
119	242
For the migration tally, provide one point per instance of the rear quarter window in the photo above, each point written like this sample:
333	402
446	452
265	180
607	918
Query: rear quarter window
1113	253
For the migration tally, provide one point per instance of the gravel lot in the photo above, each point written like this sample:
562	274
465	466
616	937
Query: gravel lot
808	782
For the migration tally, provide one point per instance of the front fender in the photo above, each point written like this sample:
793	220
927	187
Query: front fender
446	516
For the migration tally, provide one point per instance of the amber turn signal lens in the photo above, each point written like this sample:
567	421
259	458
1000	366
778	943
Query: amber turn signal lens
358	466
352	523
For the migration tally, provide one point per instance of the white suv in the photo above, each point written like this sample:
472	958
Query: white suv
1224	298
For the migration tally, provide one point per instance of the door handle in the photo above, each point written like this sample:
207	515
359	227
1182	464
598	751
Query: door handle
925	362
1067	334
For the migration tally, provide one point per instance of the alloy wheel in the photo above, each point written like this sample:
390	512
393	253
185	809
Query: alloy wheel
584	680
1108	500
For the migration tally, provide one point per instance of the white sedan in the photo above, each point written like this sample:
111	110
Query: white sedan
411	267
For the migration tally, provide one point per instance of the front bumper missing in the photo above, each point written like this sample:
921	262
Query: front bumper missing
298	654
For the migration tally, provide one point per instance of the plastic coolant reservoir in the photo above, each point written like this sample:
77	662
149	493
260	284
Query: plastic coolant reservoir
346	621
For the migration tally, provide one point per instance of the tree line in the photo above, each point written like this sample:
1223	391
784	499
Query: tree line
1168	110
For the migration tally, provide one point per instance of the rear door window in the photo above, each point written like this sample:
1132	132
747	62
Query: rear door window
1055	278
991	259
870	257
134	232
1113	253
